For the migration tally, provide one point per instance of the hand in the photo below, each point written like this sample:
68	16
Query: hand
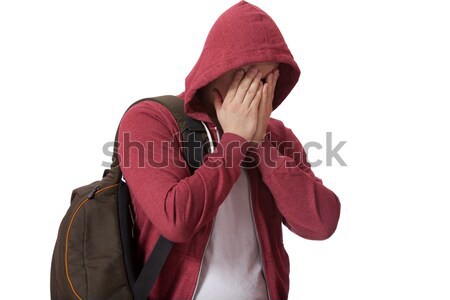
238	112
265	106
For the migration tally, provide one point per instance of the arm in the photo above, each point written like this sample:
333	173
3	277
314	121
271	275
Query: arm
309	208
176	203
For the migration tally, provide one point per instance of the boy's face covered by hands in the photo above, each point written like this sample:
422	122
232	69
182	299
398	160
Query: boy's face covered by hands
242	99
222	84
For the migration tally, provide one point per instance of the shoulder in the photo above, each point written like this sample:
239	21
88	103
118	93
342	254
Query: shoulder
148	114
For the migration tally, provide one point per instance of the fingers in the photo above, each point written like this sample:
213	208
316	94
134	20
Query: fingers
231	94
250	80
269	83
256	101
272	79
276	75
253	90
269	92
265	96
245	87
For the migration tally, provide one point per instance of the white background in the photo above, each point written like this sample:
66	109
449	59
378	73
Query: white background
374	73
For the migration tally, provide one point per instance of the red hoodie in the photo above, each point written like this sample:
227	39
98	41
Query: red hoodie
181	207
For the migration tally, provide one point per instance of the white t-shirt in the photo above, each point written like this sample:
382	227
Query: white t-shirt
231	267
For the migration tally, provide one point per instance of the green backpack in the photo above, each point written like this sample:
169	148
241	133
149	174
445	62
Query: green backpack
94	255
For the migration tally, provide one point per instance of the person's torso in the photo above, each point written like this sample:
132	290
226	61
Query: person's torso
179	276
231	267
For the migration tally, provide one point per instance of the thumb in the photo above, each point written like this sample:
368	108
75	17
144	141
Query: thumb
217	100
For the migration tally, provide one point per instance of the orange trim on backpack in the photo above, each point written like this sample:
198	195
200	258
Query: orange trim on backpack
68	233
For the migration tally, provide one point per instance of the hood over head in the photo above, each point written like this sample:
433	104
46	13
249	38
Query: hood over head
242	35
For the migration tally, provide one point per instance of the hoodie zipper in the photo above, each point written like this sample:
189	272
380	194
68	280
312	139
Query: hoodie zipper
203	258
257	238
259	243
214	220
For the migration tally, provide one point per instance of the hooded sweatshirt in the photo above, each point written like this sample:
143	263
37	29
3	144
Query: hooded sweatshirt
169	201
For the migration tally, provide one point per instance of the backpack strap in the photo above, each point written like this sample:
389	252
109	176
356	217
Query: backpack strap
193	136
193	133
194	139
143	283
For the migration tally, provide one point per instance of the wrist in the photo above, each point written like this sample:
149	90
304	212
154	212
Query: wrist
255	143
257	140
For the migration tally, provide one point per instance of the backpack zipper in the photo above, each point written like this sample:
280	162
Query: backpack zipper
91	195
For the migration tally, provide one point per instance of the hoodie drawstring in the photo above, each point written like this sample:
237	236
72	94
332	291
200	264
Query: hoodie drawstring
218	135
211	145
210	140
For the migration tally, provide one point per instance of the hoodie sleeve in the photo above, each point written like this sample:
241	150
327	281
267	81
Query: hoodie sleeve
309	209
176	203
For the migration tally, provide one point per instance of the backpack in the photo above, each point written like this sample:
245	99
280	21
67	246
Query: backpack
95	252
